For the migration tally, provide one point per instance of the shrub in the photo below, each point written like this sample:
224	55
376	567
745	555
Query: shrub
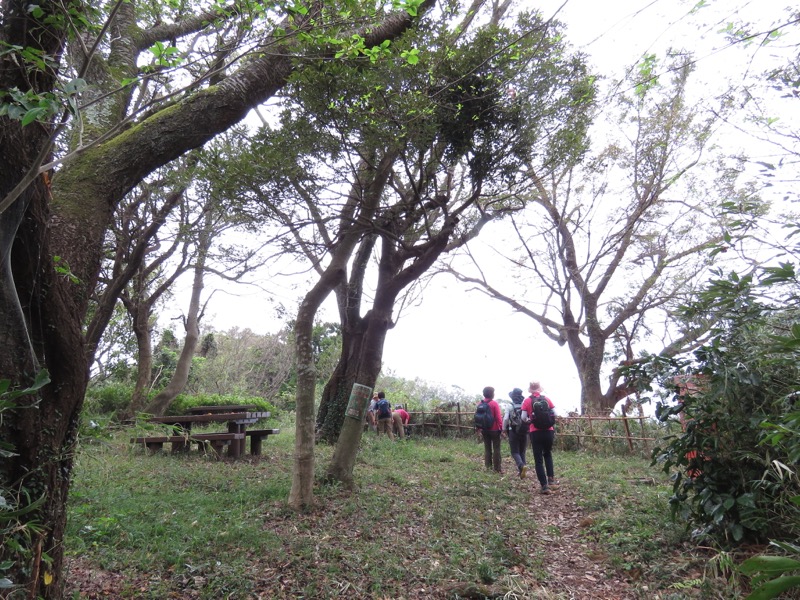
184	402
733	473
107	399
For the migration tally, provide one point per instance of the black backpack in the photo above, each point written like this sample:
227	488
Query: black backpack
543	416
484	417
515	422
384	410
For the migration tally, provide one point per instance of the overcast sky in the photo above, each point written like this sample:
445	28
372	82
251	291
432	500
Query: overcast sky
471	341
465	339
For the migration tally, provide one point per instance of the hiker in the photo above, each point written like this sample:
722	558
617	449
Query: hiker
516	429
371	419
400	419
540	411
383	411
489	421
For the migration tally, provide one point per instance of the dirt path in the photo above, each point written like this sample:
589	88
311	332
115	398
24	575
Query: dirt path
577	569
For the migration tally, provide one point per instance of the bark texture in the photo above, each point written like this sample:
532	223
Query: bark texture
50	269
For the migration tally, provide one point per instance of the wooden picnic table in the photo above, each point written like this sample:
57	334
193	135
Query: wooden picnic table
235	436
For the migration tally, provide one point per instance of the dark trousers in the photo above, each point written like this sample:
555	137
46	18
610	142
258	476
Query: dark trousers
542	446
491	450
518	442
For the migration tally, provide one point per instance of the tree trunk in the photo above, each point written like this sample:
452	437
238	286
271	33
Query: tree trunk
364	198
56	256
363	365
364	361
40	322
591	388
144	369
301	494
179	378
42	429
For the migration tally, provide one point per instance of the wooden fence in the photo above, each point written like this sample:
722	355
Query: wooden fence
575	432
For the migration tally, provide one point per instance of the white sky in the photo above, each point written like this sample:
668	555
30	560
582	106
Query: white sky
471	341
466	339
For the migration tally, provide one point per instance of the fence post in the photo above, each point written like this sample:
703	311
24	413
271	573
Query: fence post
458	418
627	428
644	433
591	429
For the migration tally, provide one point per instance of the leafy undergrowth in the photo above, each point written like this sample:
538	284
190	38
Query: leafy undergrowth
427	521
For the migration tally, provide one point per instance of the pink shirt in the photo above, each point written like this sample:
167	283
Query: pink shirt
527	406
403	415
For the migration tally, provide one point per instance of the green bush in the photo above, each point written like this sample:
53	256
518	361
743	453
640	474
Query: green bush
107	399
184	402
734	478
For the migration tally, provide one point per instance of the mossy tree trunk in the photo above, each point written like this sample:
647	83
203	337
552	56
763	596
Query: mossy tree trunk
53	235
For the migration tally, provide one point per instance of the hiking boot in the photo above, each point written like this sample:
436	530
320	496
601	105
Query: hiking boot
523	470
545	489
552	481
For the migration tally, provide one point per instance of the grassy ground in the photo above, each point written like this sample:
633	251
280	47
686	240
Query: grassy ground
427	521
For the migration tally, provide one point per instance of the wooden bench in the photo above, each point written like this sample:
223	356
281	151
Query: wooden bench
180	443
256	435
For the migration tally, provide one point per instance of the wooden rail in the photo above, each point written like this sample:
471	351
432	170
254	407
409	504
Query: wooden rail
582	429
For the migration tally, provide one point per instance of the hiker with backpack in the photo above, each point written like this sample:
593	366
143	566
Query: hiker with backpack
516	429
489	421
371	418
383	412
540	411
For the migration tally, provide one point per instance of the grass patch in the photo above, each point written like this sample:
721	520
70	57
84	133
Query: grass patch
427	521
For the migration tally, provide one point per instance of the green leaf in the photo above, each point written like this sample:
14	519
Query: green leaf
33	115
771	565
737	531
75	86
42	379
775	587
6	515
36	11
411	56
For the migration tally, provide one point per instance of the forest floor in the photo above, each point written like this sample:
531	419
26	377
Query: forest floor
439	527
576	568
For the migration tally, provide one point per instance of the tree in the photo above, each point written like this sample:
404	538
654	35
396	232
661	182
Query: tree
733	465
417	188
161	231
247	363
191	322
53	223
138	271
211	222
609	243
116	352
